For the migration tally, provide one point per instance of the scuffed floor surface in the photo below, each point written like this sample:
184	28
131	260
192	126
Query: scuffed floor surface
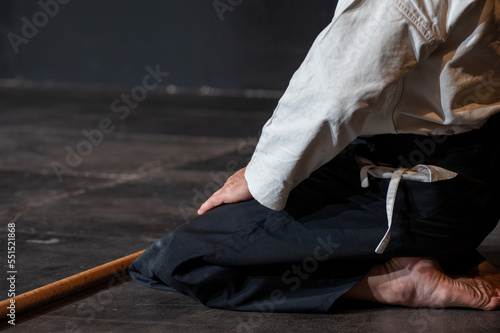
141	179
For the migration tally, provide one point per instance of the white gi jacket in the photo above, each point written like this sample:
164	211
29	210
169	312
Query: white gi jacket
381	66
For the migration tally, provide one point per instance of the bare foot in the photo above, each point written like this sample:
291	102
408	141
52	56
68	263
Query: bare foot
488	272
420	282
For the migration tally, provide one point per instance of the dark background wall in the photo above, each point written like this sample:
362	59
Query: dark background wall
253	44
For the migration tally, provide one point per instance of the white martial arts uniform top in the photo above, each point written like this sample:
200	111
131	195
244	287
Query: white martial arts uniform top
381	66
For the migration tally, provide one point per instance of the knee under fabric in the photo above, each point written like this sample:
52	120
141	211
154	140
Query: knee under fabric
246	257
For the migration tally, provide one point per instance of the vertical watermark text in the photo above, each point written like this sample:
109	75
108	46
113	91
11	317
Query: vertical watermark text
11	271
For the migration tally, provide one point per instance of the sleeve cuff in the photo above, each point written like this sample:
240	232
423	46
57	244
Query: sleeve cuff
269	193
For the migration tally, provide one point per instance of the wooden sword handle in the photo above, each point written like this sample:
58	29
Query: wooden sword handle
67	286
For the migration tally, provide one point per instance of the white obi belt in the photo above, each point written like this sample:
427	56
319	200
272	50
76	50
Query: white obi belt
421	173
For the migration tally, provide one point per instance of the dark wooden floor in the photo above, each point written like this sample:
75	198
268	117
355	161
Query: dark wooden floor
143	180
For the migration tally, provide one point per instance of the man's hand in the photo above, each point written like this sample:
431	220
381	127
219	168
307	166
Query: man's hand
234	190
